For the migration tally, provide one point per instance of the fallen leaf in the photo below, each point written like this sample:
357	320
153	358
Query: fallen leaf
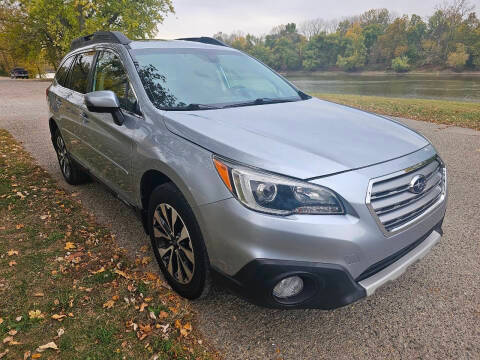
69	246
43	217
35	314
39	294
102	269
152	315
18	318
121	273
12	252
146	260
1	321
109	304
188	326
60	332
13	342
26	355
12	263
8	339
50	345
12	332
115	298
21	195
58	317
36	356
163	315
19	226
4	353
143	306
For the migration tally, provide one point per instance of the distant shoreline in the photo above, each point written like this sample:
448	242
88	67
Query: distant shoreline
379	72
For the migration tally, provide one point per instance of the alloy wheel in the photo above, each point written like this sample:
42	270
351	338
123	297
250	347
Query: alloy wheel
173	243
63	157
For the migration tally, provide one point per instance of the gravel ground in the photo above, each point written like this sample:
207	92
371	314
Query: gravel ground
432	311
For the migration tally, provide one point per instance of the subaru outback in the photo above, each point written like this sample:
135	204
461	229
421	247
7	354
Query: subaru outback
236	174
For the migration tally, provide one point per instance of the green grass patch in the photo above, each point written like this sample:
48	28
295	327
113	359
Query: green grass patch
464	114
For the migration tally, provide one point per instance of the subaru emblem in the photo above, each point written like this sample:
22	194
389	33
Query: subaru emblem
417	184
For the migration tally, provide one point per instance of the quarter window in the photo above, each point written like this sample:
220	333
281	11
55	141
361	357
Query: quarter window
111	75
62	71
80	70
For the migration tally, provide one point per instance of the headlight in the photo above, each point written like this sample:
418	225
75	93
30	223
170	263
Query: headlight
274	194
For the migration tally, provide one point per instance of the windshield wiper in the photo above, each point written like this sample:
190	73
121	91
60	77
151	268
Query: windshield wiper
190	107
260	101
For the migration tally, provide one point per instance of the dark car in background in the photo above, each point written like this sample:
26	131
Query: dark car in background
18	72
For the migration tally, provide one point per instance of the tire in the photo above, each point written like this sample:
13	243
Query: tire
180	250
71	171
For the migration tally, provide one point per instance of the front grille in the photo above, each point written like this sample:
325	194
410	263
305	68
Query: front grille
393	203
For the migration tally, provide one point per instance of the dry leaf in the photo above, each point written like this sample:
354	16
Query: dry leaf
143	306
115	298
121	273
12	252
102	269
60	332
36	356
1	321
146	260
69	246
43	217
12	332
26	355
13	342
19	226
50	345
21	195
12	263
163	315
8	339
188	326
58	317
35	314
4	353
109	304
18	318
39	294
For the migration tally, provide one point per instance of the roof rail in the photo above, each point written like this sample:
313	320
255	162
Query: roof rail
206	40
115	37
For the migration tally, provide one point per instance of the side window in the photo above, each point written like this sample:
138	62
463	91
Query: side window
62	72
111	75
78	79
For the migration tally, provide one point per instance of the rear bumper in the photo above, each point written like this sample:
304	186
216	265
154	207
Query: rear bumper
326	286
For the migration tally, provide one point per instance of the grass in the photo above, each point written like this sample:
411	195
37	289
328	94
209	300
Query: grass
464	114
64	280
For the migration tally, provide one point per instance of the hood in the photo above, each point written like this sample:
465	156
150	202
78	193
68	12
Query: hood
302	139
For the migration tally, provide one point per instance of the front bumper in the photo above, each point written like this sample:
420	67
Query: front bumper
326	286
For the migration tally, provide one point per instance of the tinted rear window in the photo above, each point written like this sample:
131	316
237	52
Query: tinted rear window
78	79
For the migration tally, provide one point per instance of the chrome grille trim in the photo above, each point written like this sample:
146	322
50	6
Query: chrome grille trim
388	195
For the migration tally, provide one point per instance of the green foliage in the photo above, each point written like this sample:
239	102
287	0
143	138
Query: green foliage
400	64
459	58
373	40
33	29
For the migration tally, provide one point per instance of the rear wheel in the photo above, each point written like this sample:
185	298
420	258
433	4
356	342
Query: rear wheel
71	171
177	242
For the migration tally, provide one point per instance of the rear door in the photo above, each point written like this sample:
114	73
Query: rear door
110	146
75	110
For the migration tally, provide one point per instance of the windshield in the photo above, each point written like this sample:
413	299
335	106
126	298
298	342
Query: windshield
199	79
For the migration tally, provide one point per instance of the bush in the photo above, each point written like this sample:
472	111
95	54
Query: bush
459	58
400	64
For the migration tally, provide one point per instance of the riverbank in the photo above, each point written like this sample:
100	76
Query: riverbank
420	71
463	114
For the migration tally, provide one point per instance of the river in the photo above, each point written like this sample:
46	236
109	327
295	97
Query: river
458	87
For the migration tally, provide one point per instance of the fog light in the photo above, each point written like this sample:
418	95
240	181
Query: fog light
288	287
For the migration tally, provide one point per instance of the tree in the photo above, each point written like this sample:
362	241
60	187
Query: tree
355	54
400	64
47	27
459	58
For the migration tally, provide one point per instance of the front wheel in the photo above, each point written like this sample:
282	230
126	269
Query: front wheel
177	242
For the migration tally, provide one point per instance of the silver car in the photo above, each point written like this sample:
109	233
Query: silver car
237	175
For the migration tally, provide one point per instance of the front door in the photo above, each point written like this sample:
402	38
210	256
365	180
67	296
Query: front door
110	145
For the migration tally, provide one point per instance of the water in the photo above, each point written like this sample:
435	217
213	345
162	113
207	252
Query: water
457	87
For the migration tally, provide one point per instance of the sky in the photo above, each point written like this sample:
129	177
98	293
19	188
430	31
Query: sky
206	17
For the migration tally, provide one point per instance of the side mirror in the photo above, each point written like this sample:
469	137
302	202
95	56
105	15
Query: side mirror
105	101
